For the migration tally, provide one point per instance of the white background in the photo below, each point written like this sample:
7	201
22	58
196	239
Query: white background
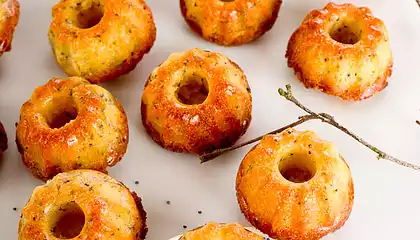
387	196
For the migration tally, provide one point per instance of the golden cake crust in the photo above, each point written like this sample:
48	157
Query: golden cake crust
95	139
109	49
350	71
218	122
220	231
9	18
289	210
232	22
3	139
111	210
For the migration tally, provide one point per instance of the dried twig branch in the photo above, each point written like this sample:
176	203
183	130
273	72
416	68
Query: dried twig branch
331	121
417	121
212	155
311	115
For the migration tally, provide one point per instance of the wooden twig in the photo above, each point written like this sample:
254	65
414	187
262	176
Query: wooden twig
212	155
418	122
324	117
331	121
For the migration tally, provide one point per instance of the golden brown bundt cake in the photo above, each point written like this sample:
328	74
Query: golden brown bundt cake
3	139
9	18
83	204
230	22
71	124
101	39
219	231
343	50
295	186
196	101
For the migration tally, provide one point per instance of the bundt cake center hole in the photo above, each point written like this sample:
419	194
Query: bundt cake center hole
89	17
68	221
346	32
193	89
62	116
297	168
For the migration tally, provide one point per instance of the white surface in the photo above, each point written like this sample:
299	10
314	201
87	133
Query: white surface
387	196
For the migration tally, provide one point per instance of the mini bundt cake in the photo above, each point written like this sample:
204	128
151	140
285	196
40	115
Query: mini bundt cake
196	101
9	18
295	186
219	231
83	204
343	50
3	139
101	40
230	22
71	124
